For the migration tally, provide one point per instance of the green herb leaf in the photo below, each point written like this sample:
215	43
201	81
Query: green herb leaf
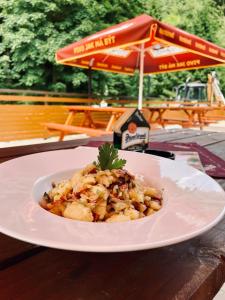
108	158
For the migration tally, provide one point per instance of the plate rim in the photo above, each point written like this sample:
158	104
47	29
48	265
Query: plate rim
107	248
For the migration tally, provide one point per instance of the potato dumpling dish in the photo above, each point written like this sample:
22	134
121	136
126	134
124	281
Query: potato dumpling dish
96	195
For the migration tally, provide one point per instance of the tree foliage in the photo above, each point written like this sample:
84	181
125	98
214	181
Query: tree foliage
32	30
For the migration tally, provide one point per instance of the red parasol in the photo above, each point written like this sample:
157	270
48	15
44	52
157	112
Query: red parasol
143	44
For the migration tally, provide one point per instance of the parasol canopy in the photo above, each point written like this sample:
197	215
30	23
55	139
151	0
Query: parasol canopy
143	44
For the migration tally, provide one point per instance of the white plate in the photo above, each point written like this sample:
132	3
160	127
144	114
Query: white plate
193	203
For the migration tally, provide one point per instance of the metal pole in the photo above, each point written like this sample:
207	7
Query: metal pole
89	82
90	78
141	75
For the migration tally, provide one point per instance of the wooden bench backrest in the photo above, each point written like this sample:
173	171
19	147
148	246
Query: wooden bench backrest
22	116
26	121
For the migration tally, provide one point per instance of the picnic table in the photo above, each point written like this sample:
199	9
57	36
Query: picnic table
194	115
194	269
115	112
88	121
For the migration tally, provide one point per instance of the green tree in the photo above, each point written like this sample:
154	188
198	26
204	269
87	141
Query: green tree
32	30
202	18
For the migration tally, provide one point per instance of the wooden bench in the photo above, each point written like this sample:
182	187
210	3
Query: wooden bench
65	129
183	122
22	117
25	121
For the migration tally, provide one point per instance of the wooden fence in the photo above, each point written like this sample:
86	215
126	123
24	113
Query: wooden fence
22	116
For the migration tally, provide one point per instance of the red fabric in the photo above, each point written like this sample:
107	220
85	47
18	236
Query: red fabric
167	49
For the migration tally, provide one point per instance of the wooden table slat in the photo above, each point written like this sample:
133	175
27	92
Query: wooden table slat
186	136
117	276
203	140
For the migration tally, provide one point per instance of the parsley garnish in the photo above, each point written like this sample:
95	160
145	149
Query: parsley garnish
108	158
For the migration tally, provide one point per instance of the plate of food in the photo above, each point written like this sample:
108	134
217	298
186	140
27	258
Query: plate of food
105	200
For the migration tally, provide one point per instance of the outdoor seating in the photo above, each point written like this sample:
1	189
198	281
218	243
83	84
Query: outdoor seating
24	117
27	119
112	185
89	123
192	115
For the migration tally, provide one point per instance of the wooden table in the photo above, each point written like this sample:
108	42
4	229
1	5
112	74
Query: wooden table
194	114
194	269
88	121
88	125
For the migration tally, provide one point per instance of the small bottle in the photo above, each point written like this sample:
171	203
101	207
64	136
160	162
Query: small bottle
131	131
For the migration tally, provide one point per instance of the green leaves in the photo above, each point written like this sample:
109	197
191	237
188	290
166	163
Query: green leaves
108	158
32	30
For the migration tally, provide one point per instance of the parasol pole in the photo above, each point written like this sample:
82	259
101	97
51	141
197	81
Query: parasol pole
141	75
